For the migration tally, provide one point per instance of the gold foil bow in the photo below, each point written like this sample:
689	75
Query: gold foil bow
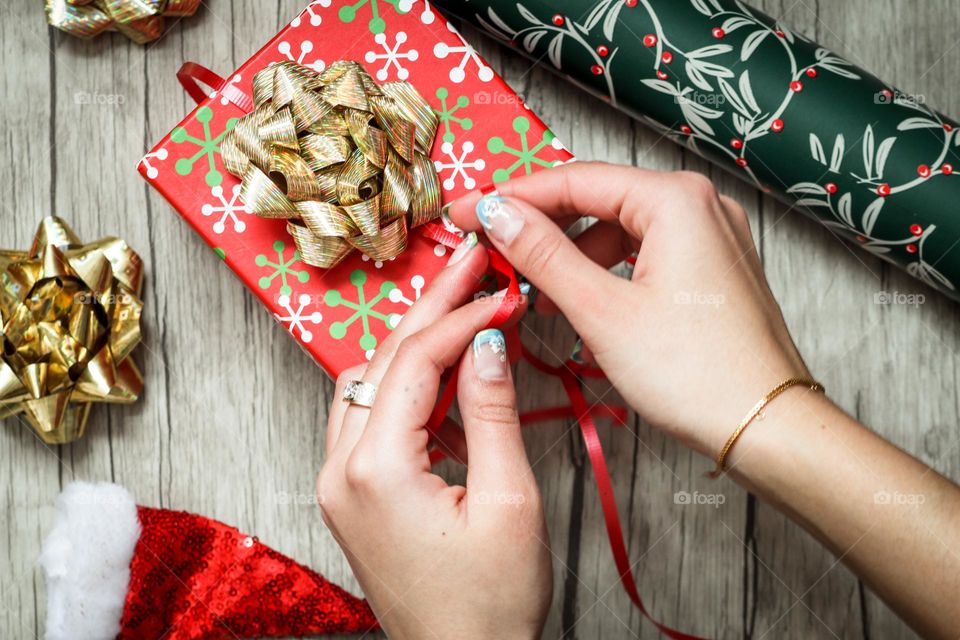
70	315
342	158
140	20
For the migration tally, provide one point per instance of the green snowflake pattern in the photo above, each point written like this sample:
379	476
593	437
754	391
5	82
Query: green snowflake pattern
377	24
208	147
282	268
446	114
363	309
526	156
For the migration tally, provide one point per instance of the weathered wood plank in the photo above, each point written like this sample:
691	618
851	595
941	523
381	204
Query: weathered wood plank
30	471
225	429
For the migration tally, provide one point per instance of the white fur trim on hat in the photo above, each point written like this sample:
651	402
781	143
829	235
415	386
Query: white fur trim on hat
86	560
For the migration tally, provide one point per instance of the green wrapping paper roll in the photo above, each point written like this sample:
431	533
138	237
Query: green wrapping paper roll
795	119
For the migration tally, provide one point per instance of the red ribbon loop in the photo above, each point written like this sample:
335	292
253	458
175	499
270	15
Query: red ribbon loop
191	75
570	373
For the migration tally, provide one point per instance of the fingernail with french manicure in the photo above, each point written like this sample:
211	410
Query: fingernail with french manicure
502	221
469	242
490	355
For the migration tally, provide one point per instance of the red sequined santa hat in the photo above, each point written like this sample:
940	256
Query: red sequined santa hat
118	570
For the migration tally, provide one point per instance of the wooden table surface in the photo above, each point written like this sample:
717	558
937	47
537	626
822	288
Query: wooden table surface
231	423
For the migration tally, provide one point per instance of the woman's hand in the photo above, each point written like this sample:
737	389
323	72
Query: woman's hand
695	338
439	561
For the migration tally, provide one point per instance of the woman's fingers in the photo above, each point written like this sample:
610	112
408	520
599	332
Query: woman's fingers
581	189
408	391
450	439
607	244
539	249
339	407
488	404
451	288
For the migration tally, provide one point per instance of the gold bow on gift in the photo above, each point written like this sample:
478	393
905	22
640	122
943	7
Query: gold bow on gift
140	20
69	319
343	159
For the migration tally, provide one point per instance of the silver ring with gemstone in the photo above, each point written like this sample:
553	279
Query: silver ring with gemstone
360	393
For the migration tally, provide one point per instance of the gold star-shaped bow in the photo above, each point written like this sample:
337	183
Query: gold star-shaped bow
69	319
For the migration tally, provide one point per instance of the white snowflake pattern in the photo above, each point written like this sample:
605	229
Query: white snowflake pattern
315	19
296	318
378	264
459	165
427	16
228	210
392	57
161	155
458	73
397	296
306	48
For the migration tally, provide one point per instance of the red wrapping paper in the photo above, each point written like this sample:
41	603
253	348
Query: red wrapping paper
486	135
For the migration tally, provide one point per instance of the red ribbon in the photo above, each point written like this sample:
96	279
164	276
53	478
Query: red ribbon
570	373
191	75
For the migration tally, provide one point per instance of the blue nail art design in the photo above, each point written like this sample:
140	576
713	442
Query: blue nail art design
489	208
494	340
525	288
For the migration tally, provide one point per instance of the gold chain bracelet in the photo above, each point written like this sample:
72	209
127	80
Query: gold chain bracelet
757	408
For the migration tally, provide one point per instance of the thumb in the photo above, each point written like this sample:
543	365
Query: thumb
488	405
542	252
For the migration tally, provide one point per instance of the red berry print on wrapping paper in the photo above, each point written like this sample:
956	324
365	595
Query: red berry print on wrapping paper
912	248
916	230
662	75
208	146
719	33
736	143
831	188
649	40
946	168
667	57
923	171
947	127
630	3
796	86
686	129
883	190
558	20
741	162
596	70
811	72
603	51
776	126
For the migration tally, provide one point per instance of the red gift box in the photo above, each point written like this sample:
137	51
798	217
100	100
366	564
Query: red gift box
486	135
